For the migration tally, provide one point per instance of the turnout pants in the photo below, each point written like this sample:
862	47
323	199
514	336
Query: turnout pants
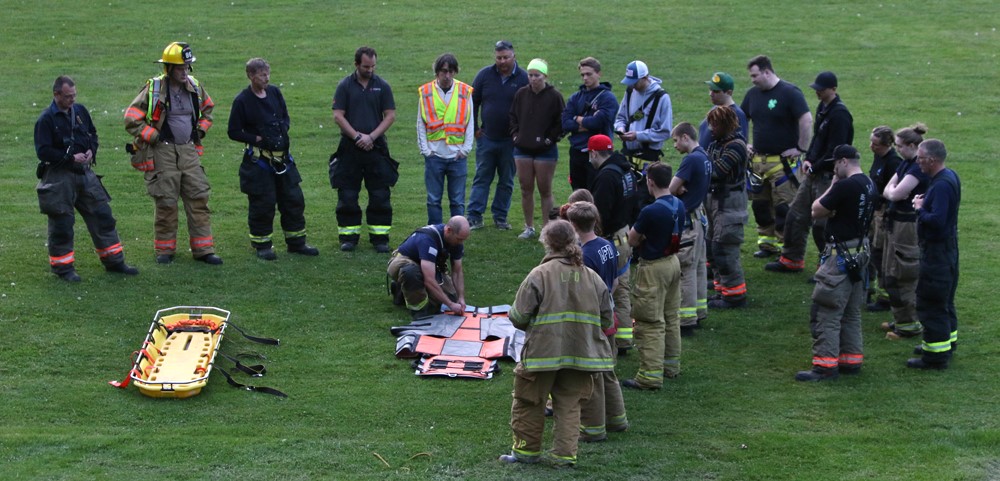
265	188
622	293
606	407
59	192
694	273
410	279
770	205
901	265
655	303
876	275
568	387
728	209
799	219
936	299
352	165
177	174
835	319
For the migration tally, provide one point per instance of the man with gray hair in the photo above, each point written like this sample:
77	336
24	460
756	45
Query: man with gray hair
268	175
493	92
937	229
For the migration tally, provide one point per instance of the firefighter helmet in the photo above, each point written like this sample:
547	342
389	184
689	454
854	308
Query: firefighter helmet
177	53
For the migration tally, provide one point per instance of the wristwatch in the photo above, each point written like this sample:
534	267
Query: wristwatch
358	137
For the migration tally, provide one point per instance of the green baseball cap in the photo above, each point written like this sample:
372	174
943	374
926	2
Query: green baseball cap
721	81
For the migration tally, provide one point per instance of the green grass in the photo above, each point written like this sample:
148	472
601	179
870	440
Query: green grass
735	414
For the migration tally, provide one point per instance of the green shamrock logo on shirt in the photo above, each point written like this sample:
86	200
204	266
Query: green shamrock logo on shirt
772	103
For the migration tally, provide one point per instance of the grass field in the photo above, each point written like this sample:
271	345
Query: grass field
355	412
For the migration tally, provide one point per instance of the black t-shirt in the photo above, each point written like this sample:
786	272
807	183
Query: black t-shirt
267	117
363	106
881	173
775	117
851	201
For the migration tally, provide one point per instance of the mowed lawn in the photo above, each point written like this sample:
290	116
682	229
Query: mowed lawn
356	412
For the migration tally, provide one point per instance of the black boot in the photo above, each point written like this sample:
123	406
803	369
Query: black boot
817	374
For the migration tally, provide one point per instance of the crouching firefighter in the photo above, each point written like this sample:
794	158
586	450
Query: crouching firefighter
419	269
268	175
169	119
841	280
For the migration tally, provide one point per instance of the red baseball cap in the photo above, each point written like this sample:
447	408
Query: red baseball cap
599	143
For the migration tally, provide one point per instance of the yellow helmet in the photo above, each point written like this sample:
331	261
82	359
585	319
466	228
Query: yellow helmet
177	53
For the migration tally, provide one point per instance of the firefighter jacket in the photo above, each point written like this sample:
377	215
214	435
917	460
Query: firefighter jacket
564	309
145	116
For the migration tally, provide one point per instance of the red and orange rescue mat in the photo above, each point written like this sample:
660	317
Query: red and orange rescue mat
460	346
180	350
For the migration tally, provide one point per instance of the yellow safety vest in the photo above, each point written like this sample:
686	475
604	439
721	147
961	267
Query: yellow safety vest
445	121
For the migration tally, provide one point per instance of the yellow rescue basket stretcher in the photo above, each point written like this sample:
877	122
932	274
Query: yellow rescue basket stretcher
179	351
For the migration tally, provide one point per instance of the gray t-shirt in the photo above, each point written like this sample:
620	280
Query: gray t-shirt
180	114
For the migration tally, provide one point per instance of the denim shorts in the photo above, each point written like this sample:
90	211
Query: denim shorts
549	155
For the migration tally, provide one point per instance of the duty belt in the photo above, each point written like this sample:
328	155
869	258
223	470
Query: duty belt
897	216
763	158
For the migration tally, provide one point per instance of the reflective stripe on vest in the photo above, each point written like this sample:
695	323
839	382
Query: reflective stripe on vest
155	84
445	121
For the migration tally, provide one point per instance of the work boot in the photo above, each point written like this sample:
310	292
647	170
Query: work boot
593	438
919	363
304	249
397	294
880	305
69	276
778	266
266	254
633	384
849	370
210	259
348	246
620	428
724	303
764	254
382	248
896	334
164	258
688	331
122	268
817	374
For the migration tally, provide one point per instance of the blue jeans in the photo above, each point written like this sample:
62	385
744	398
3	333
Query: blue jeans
436	170
492	157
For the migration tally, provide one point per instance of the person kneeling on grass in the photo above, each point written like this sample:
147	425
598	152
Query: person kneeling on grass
564	307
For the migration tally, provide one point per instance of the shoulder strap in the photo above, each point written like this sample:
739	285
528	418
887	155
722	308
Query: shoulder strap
655	99
427	230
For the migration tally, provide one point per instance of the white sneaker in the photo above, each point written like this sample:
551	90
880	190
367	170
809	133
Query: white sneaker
528	233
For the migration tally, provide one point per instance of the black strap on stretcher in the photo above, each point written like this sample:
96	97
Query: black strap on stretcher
262	340
257	370
267	390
